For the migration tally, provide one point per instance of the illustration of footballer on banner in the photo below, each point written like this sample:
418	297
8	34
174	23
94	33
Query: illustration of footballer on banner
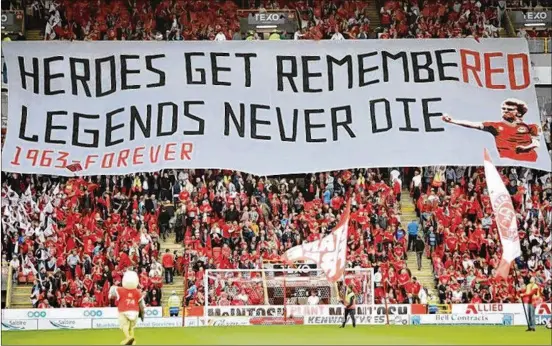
514	139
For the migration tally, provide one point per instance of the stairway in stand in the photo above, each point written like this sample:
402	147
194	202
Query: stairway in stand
20	296
178	281
425	275
373	15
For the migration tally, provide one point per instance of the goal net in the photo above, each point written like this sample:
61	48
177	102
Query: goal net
278	294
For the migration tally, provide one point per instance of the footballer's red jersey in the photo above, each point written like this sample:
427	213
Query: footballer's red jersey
508	137
128	299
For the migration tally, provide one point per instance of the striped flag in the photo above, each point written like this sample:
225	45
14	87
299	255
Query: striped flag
329	253
505	217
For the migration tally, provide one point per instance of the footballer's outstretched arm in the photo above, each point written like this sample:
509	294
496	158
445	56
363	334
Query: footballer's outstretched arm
469	124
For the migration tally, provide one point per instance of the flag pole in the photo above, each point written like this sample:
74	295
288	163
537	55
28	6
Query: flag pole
285	296
184	304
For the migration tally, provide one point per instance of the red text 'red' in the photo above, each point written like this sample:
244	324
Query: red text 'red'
481	68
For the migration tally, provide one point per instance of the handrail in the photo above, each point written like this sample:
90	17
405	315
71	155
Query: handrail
518	8
299	19
9	288
510	29
266	10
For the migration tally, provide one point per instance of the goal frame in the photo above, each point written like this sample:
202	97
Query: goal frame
286	280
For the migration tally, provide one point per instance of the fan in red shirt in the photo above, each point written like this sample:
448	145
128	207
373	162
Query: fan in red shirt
514	139
168	265
130	305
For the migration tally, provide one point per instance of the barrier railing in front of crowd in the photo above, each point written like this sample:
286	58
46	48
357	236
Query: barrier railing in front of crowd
540	45
528	8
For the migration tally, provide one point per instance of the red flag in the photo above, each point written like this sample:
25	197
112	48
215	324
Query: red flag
75	167
91	187
329	253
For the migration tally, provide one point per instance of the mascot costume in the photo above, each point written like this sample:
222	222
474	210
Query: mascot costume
130	305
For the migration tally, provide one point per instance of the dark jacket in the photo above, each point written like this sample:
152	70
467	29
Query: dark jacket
419	245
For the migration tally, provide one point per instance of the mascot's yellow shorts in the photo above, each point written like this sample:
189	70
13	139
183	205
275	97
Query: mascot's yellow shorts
127	325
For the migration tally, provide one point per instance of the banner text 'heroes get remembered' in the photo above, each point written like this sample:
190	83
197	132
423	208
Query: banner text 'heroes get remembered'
269	107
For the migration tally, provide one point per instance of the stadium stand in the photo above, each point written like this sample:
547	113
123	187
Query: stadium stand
437	19
69	240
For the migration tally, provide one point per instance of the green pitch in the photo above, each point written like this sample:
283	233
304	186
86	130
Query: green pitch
290	335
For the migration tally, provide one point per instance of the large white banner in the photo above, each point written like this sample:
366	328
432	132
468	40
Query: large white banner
269	107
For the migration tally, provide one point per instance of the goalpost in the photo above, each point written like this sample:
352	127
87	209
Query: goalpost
277	294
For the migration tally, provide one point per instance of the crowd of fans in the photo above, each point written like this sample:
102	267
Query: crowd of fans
192	20
73	238
464	246
534	33
536	5
441	19
288	212
219	20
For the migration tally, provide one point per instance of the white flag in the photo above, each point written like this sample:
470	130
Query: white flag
28	194
56	190
329	253
505	217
